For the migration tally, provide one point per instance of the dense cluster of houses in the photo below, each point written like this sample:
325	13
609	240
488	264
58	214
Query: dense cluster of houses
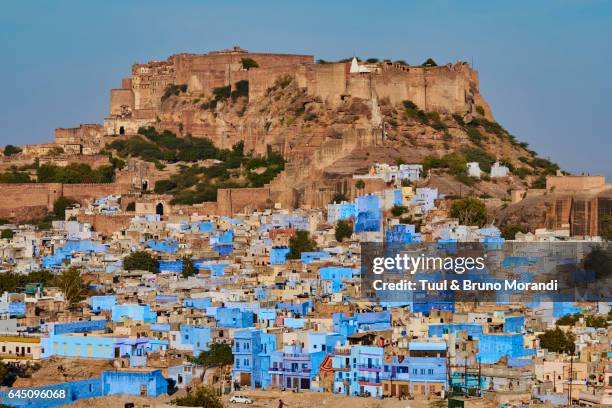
295	324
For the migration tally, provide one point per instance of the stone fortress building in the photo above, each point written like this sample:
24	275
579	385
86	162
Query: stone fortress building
139	101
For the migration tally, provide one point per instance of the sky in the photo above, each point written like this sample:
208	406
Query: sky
545	66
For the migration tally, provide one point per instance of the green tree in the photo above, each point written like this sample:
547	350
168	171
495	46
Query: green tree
299	243
398	210
6	234
557	341
60	205
360	185
606	228
338	198
201	397
248	63
429	63
598	322
569	319
142	261
71	284
509	231
599	260
10	150
4	373
188	268
469	211
344	229
219	354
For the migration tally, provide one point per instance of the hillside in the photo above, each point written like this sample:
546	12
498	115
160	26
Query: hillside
324	144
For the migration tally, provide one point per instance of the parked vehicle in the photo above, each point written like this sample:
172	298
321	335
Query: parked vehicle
240	399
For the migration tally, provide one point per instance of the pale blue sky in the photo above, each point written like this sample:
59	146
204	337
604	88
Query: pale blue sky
545	66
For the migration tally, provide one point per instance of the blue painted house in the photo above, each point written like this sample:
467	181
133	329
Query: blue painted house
294	368
234	318
102	303
133	312
358	371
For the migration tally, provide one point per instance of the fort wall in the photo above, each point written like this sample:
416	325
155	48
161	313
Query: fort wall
30	200
26	201
573	183
231	201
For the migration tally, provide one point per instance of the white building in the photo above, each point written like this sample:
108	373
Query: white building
357	68
499	171
474	169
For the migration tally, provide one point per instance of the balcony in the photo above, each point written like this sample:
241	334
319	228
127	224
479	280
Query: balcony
289	356
371	368
341	368
369	381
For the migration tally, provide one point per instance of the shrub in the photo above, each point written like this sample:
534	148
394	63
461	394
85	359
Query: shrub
241	89
484	159
15	177
248	63
540	182
10	150
173	89
414	112
429	63
475	136
201	397
459	119
75	173
338	198
510	231
360	184
480	110
6	234
163	186
469	211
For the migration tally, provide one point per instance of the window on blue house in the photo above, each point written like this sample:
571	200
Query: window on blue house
237	363
422	371
430	371
415	371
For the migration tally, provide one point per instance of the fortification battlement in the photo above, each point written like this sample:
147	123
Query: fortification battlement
449	88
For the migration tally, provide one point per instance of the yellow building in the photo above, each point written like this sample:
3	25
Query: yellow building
13	348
